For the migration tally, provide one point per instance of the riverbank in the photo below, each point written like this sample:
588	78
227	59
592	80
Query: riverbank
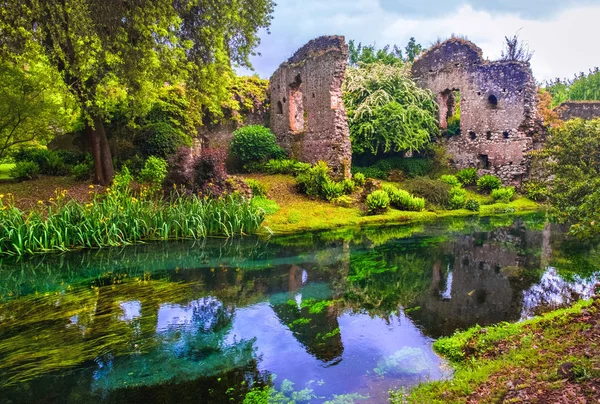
298	213
548	359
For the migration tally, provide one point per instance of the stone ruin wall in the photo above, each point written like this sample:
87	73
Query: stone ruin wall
498	107
578	109
307	113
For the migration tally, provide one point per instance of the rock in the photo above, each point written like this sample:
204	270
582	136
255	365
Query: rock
566	371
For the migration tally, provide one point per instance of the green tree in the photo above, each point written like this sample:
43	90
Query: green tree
32	106
583	87
387	111
109	50
413	50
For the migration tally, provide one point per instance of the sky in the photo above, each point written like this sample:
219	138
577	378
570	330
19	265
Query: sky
562	33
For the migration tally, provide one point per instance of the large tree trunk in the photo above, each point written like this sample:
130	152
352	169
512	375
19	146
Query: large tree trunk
103	166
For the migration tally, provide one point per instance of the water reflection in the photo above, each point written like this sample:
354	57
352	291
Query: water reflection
330	313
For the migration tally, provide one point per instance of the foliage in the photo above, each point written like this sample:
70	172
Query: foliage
249	94
472	205
503	194
403	200
82	171
33	108
458	198
359	179
535	190
546	108
154	172
367	54
450	180
25	170
204	173
583	87
255	144
348	186
573	152
488	182
411	167
258	188
316	182
453	122
107	53
51	162
268	206
120	217
280	166
516	50
434	191
387	111
467	176
377	201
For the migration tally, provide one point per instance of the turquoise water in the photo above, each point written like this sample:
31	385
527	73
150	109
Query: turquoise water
340	316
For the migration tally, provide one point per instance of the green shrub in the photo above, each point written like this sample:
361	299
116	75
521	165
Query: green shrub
161	139
311	181
472	205
54	163
331	189
377	201
434	191
258	189
82	171
359	179
410	167
403	200
348	185
268	206
488	182
154	172
467	176
536	191
255	144
450	180
504	194
458	198
278	166
25	170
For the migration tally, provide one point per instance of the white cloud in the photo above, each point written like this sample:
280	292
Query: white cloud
564	43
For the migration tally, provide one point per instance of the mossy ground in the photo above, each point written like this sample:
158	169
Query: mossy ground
299	213
554	358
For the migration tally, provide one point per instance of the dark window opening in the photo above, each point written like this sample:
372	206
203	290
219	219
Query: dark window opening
479	93
279	108
493	101
484	161
473	135
505	134
449	102
284	100
488	135
313	95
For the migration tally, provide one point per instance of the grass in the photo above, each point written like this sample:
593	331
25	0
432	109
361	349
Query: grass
5	170
522	362
298	213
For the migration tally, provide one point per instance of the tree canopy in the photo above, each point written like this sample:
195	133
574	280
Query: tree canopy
583	87
108	49
389	55
387	111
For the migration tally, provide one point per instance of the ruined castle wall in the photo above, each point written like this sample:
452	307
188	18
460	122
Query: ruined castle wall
307	113
497	107
579	109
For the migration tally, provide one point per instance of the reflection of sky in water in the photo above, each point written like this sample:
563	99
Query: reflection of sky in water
554	291
175	316
447	294
131	310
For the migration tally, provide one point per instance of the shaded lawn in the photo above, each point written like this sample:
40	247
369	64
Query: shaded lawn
5	170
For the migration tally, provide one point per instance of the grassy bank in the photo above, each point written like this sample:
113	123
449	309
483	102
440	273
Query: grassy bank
5	170
299	213
551	358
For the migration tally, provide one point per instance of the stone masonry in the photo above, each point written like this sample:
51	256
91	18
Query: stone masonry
579	109
307	113
498	107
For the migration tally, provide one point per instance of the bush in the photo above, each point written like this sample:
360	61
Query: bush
504	194
403	200
281	166
467	176
458	198
348	186
536	191
54	163
378	202
83	171
25	170
161	139
255	144
154	172
359	179
450	180
488	183
331	189
472	205
258	189
434	191
410	167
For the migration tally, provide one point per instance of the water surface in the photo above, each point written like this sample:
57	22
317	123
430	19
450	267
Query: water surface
319	317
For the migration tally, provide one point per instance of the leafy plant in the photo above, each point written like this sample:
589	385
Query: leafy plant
154	172
488	182
25	170
504	194
331	189
403	200
467	176
472	205
411	167
434	191
255	144
450	180
535	190
359	179
82	171
280	166
458	198
161	139
258	188
377	201
348	186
